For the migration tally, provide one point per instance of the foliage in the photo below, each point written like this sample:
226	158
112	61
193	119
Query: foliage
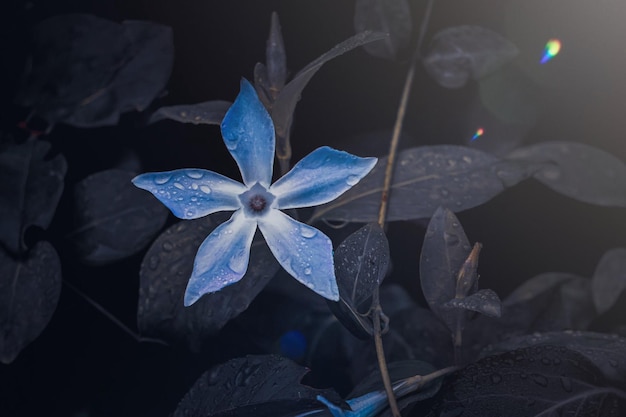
240	326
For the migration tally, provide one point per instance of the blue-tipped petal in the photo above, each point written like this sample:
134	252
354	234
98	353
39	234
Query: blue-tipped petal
248	133
222	259
320	177
192	193
367	405
302	250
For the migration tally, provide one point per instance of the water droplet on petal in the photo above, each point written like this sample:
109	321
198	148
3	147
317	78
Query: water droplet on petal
444	192
162	179
194	186
167	246
205	189
179	186
307	271
352	180
238	263
194	174
189	213
307	232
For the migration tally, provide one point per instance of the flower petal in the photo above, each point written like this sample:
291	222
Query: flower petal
192	193
222	259
303	251
248	133
320	177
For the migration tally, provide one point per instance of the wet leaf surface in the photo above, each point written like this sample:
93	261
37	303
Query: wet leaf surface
114	219
535	381
444	251
261	386
31	185
606	351
484	301
460	53
29	292
425	178
387	16
206	113
566	304
578	171
164	274
86	71
361	262
609	279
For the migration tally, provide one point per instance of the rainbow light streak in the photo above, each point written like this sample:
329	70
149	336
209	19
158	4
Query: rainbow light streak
552	48
478	133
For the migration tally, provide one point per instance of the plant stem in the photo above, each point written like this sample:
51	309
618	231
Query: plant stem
416	382
382	213
111	317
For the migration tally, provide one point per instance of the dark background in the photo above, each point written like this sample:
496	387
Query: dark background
83	365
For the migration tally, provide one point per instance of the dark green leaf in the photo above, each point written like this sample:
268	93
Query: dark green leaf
387	16
361	262
145	75
29	292
114	219
164	274
260	386
535	381
550	301
206	113
86	70
30	187
444	251
609	279
425	178
606	351
463	52
484	302
578	171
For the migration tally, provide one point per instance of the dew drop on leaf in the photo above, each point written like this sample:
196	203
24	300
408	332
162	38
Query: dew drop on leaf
496	378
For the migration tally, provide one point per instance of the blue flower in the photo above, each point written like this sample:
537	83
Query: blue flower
303	251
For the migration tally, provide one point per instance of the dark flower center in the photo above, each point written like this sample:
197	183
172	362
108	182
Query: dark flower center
257	203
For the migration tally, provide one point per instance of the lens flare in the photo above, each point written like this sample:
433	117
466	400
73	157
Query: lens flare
552	48
478	133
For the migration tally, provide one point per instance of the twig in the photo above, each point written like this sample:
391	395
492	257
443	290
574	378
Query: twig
382	213
416	382
111	317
